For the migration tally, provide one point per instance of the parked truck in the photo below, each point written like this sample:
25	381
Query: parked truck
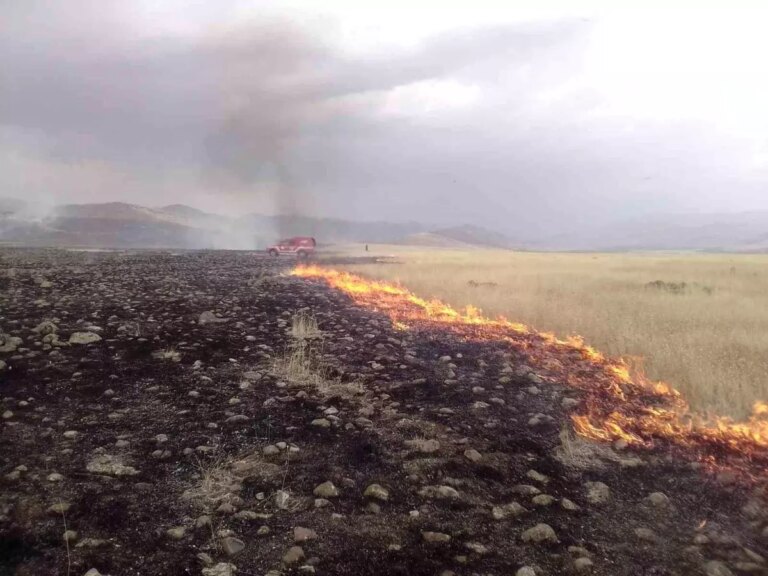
299	246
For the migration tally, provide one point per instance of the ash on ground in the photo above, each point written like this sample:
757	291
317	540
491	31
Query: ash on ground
205	413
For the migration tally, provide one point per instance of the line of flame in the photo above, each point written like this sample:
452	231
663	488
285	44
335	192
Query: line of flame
618	403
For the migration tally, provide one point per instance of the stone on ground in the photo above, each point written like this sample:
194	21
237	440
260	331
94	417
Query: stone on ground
539	533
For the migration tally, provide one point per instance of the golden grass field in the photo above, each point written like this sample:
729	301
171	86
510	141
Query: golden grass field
709	339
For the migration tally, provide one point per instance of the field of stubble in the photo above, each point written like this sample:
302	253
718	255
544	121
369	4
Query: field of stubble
696	321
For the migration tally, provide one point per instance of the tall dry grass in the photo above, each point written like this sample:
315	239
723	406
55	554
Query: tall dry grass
708	338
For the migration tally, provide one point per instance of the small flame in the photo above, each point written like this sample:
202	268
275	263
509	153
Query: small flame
619	402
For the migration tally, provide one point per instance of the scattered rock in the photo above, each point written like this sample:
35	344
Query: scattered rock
597	492
301	534
476	547
583	565
620	444
84	338
423	446
232	546
326	490
209	317
237	419
9	343
537	476
658	499
70	536
435	537
526	571
205	559
753	556
110	465
716	568
321	423
543	500
749	568
294	555
176	533
376	491
439	492
472	455
569	403
539	533
526	490
281	499
373	508
59	508
91	543
646	534
510	510
220	569
569	505
578	551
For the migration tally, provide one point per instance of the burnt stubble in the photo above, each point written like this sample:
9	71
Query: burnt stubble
177	418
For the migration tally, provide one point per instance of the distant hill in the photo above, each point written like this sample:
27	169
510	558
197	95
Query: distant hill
123	225
432	240
330	230
459	237
10	206
114	225
736	232
475	236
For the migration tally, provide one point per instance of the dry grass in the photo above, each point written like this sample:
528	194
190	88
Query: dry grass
300	365
304	326
168	354
216	484
697	321
302	362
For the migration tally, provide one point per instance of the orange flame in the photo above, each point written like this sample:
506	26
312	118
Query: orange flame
618	403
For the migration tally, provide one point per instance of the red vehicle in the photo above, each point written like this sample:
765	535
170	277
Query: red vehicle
300	246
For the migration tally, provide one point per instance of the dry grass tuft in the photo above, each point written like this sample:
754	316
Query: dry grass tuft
579	454
302	361
168	354
300	365
217	484
304	326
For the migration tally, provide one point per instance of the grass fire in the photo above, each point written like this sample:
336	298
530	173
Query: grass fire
618	406
383	289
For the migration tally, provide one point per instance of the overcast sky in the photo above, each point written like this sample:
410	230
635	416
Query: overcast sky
490	113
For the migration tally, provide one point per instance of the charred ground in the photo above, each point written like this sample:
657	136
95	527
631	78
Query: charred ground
176	443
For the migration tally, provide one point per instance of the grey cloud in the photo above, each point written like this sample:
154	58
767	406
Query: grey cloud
271	111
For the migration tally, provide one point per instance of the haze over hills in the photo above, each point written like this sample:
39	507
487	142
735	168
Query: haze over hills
728	232
122	225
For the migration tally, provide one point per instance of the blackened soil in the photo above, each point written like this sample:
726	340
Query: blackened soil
189	405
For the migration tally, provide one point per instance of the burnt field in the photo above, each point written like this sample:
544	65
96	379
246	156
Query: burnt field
180	414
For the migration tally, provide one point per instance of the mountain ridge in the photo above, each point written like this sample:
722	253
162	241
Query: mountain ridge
126	225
